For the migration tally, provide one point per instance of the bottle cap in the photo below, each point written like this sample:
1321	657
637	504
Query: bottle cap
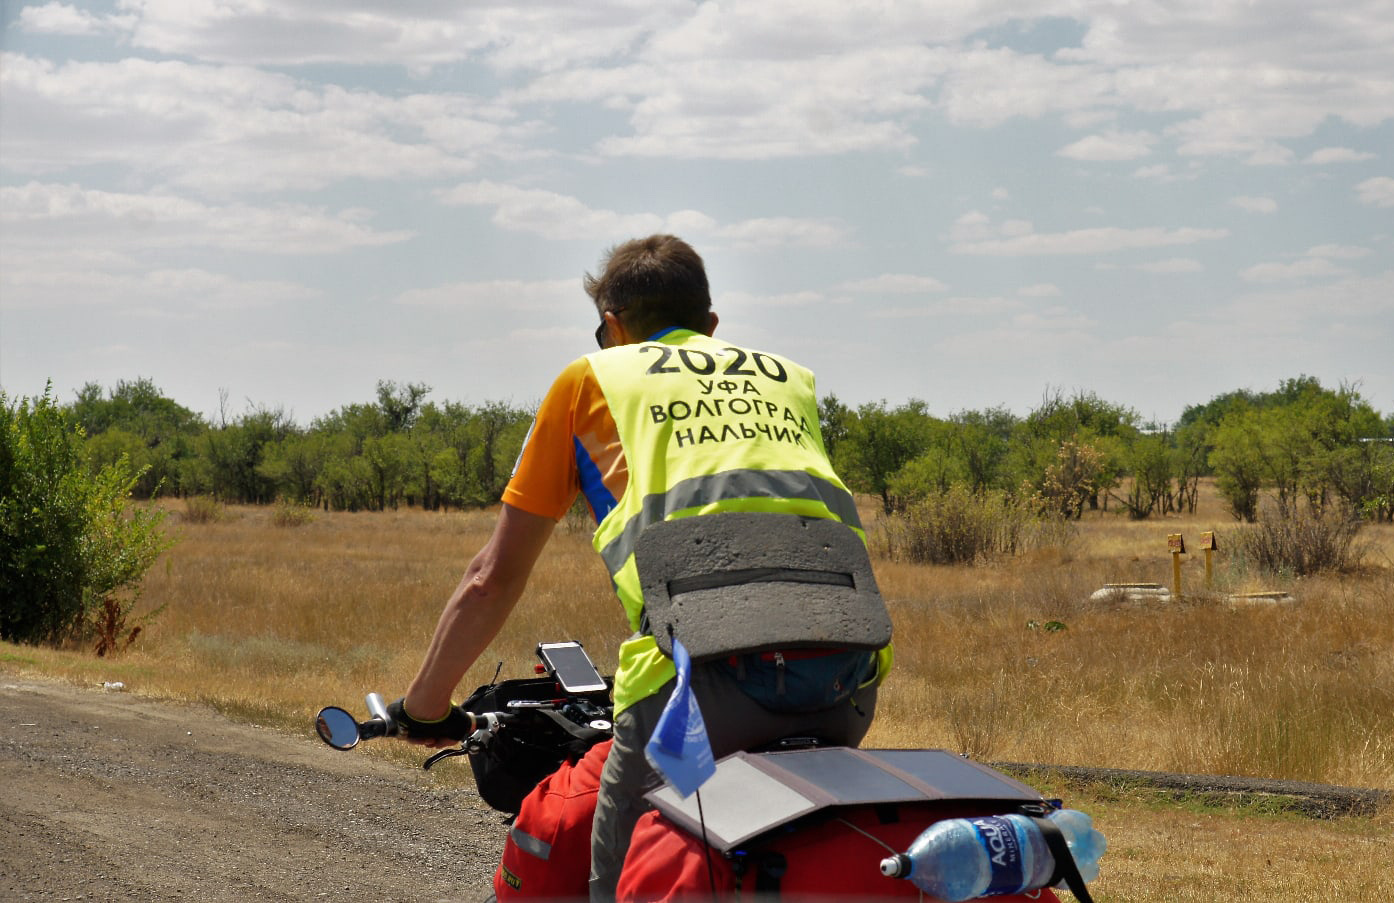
897	866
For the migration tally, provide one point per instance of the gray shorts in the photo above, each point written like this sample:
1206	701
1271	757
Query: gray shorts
734	722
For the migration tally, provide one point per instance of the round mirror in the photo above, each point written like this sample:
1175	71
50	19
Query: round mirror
337	728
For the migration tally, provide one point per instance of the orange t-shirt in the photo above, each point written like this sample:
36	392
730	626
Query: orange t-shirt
573	447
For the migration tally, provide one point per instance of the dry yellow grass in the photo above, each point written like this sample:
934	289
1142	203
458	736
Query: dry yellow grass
270	623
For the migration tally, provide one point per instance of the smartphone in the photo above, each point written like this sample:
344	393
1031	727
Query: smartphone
572	668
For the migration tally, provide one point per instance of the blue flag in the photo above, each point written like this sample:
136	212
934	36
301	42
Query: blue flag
679	748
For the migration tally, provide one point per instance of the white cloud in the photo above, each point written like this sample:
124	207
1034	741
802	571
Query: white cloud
993	306
1087	241
1376	192
1270	154
49	282
894	284
1110	146
1338	252
39	214
783	231
1163	173
219	130
1171	265
856	101
1327	155
1086	119
516	294
62	19
1024	334
1000	194
1306	268
563	217
740	302
985	87
913	171
1303	305
416	35
1254	204
712	80
1039	290
972	226
549	214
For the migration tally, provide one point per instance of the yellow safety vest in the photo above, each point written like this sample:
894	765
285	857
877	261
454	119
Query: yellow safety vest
706	427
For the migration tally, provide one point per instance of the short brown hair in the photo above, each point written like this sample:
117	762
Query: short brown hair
656	282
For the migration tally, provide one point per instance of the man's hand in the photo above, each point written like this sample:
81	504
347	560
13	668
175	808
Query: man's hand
447	730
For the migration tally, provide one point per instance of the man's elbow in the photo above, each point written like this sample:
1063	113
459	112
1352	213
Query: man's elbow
486	583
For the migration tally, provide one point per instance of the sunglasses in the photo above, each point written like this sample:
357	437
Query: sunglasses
600	330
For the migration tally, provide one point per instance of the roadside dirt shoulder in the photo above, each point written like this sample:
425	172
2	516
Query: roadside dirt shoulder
108	796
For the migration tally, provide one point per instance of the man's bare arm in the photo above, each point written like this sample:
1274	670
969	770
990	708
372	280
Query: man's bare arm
493	583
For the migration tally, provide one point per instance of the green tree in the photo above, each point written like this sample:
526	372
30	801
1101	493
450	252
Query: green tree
833	417
400	404
234	455
1072	479
1238	463
1083	420
159	435
878	443
294	464
984	440
72	551
1149	460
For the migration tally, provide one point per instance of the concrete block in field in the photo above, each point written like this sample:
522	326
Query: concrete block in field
1131	592
1262	597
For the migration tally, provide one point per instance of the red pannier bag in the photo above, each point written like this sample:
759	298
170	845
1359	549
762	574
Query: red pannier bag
547	855
837	859
807	825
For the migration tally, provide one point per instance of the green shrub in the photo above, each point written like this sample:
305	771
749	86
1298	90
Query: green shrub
1302	542
72	550
962	527
202	509
289	514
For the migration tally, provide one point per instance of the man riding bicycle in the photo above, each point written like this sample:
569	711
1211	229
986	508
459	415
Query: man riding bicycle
663	423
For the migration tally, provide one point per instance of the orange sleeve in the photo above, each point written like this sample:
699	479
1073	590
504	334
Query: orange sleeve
544	482
573	446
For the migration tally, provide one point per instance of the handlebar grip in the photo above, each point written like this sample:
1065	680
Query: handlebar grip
373	727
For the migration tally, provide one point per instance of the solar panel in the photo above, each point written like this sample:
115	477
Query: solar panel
753	793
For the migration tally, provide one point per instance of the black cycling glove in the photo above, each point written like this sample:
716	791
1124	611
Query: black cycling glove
454	725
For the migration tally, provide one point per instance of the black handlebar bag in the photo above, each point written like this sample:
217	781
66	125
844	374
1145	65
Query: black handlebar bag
533	745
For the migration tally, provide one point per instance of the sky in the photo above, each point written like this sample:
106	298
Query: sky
974	204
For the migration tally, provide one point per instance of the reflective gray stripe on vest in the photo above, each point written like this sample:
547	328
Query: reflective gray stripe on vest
529	844
724	486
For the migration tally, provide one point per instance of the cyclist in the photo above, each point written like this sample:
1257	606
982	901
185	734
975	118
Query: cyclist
663	421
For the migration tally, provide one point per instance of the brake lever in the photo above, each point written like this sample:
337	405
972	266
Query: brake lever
444	754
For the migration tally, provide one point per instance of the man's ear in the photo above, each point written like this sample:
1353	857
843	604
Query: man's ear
712	320
613	326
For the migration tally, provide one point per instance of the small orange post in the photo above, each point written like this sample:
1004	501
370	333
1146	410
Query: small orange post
1177	544
1207	543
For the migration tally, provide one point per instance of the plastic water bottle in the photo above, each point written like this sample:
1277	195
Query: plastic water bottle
963	858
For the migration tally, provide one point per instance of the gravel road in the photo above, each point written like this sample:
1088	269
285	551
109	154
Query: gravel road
107	796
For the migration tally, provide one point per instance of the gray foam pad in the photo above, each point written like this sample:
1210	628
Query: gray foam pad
742	582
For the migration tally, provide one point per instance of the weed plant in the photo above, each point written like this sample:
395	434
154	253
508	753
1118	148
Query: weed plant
1303	541
958	526
289	514
201	509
